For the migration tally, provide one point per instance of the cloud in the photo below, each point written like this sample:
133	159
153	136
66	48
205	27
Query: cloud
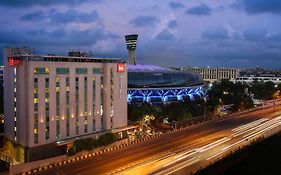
176	5
144	21
216	33
28	3
275	38
258	6
34	16
165	35
57	17
56	37
172	24
255	35
273	41
201	10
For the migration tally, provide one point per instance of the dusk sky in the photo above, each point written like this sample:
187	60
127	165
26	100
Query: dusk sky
233	33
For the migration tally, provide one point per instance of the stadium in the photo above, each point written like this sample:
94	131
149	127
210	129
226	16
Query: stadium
154	84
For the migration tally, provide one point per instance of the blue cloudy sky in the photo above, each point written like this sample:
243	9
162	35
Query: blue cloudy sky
233	33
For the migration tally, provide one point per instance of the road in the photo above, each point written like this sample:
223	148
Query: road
180	151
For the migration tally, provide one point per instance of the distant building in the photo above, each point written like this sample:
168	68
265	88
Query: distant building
251	79
51	99
214	74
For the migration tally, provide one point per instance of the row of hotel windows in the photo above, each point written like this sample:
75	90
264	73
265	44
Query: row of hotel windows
77	106
46	70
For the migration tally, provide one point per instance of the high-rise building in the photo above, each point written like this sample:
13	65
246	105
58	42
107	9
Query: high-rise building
131	42
56	98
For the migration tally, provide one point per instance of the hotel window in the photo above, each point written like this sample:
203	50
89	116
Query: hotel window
97	70
41	70
57	108
85	105
35	85
94	103
111	96
101	101
62	70
81	70
77	105
15	102
67	106
47	109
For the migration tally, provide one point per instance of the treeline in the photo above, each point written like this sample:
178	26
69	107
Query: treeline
176	111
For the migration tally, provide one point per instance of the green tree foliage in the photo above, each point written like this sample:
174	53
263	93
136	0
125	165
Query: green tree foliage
174	111
91	143
226	93
136	112
263	90
107	139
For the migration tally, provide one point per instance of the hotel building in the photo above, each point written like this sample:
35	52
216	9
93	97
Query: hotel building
50	99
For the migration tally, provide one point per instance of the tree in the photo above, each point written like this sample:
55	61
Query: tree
136	112
227	93
263	90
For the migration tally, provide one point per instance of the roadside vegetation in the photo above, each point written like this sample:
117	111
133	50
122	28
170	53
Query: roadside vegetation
92	143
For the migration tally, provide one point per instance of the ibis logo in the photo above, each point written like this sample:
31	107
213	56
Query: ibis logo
13	62
120	67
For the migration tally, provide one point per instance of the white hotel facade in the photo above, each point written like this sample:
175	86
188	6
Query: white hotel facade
53	98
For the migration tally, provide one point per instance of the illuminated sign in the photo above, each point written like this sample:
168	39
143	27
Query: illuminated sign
120	67
13	62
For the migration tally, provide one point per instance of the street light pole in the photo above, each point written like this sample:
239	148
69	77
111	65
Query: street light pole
205	116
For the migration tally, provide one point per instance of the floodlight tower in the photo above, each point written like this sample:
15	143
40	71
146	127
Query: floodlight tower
131	42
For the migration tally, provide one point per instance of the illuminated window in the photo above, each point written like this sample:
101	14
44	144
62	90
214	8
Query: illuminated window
35	100
47	100
57	79
57	89
47	89
47	70
35	90
41	70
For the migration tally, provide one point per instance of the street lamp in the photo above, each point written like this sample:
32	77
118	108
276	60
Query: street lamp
205	100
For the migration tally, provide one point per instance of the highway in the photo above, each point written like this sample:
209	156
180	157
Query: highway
179	152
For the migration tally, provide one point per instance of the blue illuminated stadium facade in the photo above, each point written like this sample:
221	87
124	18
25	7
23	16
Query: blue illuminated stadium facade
153	84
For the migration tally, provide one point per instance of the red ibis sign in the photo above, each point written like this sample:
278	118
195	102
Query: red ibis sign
120	67
13	62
